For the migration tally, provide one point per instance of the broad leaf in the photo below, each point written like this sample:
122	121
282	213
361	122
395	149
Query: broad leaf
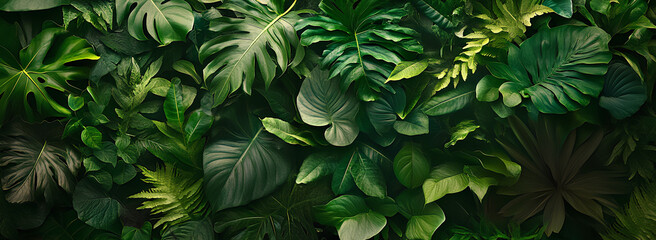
320	102
352	217
449	101
267	28
368	176
559	69
35	163
623	92
95	207
189	230
21	5
317	165
289	133
444	179
411	167
408	69
364	43
40	68
166	21
244	166
133	233
561	7
423	219
416	123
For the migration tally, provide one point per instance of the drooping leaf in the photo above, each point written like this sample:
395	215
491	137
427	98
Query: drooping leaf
444	179
407	69
40	68
623	92
411	167
165	21
461	131
289	133
561	7
35	165
364	43
244	166
320	102
243	42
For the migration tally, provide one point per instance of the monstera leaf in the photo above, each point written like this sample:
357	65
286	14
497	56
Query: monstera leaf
247	166
35	163
33	72
559	69
364	44
321	102
243	42
623	92
166	21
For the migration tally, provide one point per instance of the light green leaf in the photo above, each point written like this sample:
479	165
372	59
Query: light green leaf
186	67
416	123
351	216
166	21
407	69
444	179
411	167
92	137
317	165
423	219
321	102
461	131
75	102
487	89
362	226
289	133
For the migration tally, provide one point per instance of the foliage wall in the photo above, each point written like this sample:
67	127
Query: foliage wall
308	119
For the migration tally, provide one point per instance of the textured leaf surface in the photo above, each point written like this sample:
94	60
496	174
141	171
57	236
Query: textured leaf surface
623	93
165	21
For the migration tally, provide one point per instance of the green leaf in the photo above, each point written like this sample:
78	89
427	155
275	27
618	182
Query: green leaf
352	217
364	42
434	15
189	230
107	153
563	75
423	220
20	5
92	137
265	29
175	194
317	165
416	123
411	167
198	124
75	103
623	92
35	164
487	89
103	178
123	173
444	179
368	176
186	67
289	133
95	207
166	21
321	102
27	72
461	131
67	226
561	7
244	167
133	233
407	69
449	101
176	103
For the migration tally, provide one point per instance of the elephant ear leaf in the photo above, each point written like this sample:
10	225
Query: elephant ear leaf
559	69
38	68
244	167
243	42
623	92
321	102
35	163
165	21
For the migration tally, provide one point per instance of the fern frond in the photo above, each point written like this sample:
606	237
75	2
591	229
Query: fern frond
177	197
638	220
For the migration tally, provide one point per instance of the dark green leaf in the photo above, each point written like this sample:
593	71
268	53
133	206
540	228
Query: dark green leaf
95	207
411	167
623	92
